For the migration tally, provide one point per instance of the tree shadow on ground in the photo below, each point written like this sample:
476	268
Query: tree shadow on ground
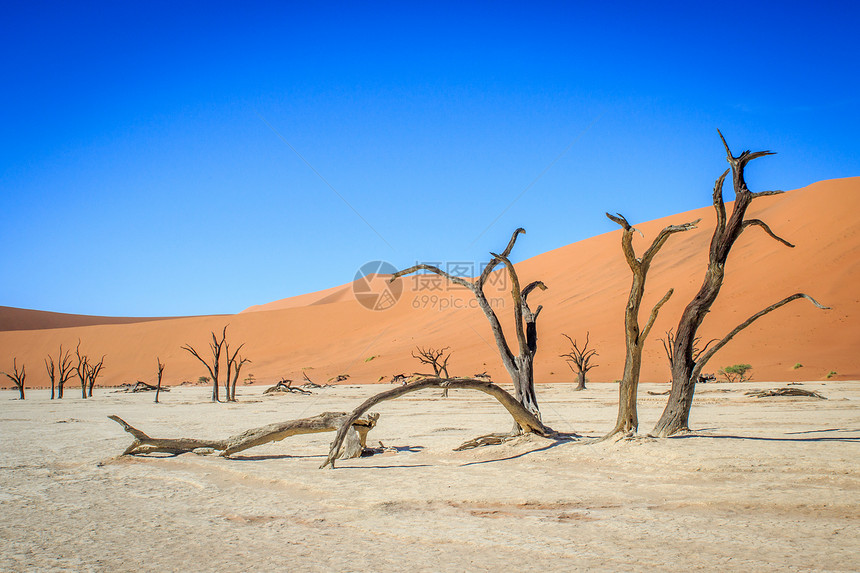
556	440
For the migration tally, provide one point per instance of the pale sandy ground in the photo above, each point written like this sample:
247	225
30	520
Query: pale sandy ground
765	484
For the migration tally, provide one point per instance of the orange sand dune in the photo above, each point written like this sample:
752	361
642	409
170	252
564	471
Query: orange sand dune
328	333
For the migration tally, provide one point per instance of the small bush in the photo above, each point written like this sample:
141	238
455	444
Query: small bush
831	374
798	365
203	380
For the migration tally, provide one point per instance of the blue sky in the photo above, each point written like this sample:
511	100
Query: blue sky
147	162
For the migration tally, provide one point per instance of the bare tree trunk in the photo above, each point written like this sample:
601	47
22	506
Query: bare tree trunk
686	364
628	418
160	372
325	422
522	417
580	380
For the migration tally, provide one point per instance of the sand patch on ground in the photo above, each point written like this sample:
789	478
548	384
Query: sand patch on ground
763	484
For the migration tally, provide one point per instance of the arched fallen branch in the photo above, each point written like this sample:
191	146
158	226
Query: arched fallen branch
354	428
527	421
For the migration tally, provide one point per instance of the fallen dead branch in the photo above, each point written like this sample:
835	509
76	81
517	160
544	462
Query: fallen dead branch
142	387
527	421
286	386
785	392
355	442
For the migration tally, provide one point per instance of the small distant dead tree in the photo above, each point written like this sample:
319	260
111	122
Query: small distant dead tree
520	367
685	368
214	368
17	377
286	385
92	375
438	361
60	371
581	358
87	371
160	373
628	419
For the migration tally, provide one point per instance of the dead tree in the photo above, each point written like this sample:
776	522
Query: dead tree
92	375
581	358
438	361
685	368
231	362
17	377
160	372
237	367
523	418
628	419
286	385
520	367
214	368
60	371
82	369
325	422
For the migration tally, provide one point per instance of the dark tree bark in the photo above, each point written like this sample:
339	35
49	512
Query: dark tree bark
628	419
523	418
685	367
325	422
214	369
581	359
520	367
160	373
17	377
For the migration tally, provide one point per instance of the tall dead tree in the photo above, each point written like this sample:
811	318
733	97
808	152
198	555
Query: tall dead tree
628	419
214	368
160	373
17	377
520	366
685	367
581	359
60	371
437	360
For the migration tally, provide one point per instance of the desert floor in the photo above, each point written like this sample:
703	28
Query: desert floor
762	484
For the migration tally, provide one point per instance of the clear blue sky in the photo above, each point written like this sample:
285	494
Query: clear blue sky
139	174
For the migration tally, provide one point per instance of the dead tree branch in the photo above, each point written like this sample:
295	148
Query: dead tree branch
522	417
325	422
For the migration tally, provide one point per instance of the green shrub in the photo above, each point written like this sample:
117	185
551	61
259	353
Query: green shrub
736	373
798	365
